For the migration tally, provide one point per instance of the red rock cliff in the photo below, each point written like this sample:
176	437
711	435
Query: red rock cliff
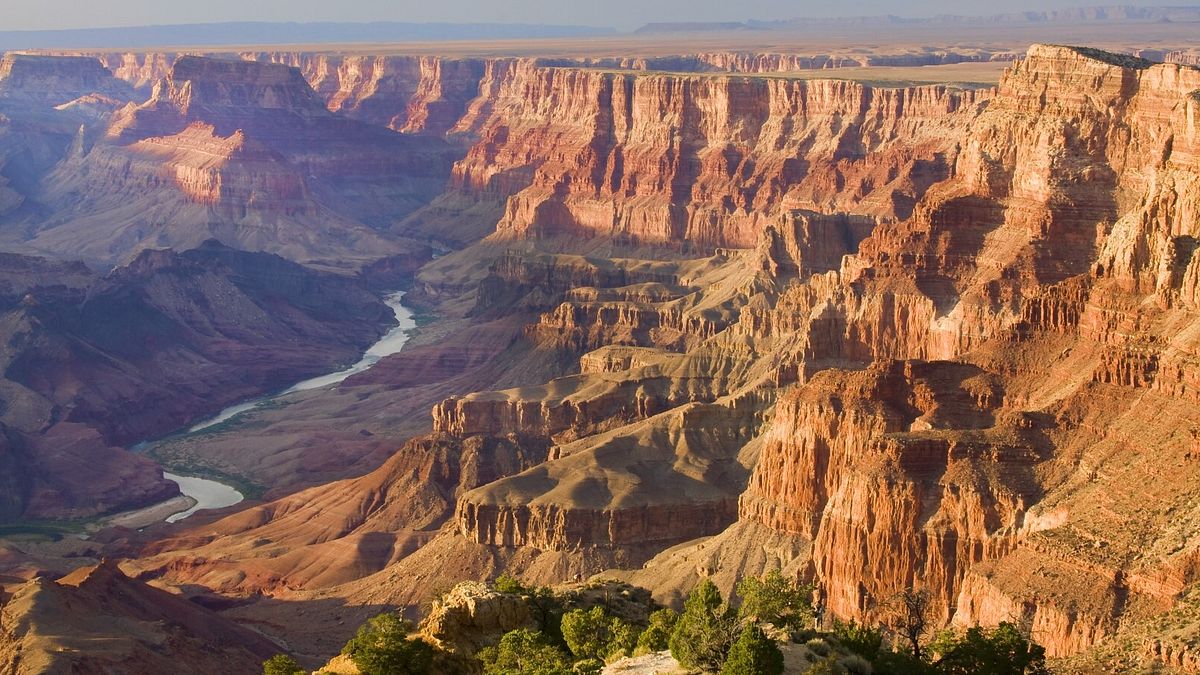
709	160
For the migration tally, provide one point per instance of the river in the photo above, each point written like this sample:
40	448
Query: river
210	494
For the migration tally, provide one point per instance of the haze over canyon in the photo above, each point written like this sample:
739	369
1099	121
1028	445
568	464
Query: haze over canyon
890	306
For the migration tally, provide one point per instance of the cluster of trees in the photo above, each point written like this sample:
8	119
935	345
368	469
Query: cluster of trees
1006	649
564	642
710	635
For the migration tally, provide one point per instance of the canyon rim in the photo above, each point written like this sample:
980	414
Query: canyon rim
895	307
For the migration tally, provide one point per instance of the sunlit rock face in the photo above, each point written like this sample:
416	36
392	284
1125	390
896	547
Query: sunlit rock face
703	159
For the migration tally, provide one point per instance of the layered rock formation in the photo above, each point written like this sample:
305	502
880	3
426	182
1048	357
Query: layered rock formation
958	328
1050	263
412	94
55	80
828	147
1051	266
706	160
364	524
49	107
854	460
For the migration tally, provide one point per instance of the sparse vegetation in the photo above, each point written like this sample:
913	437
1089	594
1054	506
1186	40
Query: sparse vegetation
657	635
859	638
910	618
588	667
35	530
178	460
1004	650
282	664
709	636
818	646
853	664
507	583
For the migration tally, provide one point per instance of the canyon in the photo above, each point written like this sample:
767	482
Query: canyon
162	338
680	316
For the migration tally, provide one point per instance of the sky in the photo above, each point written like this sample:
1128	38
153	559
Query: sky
621	14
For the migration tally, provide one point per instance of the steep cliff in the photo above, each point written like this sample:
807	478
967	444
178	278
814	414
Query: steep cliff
703	159
50	108
1056	260
413	94
55	80
904	470
1053	264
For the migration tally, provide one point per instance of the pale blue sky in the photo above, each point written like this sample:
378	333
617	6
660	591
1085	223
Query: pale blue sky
622	14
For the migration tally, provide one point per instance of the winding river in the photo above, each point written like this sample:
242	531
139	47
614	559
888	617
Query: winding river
211	494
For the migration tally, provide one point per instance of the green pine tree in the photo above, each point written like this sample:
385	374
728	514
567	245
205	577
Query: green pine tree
657	635
525	652
776	600
382	647
706	629
753	654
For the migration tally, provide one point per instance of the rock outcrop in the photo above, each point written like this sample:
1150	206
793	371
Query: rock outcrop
472	616
592	495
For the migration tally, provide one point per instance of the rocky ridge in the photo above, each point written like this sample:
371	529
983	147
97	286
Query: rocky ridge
1058	237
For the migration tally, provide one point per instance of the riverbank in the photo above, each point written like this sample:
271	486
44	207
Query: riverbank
155	513
392	342
206	493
